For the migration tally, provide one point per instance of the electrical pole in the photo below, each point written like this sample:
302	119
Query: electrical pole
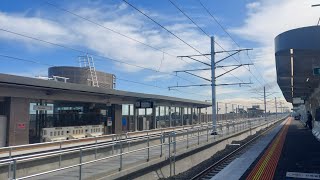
265	103
212	66
238	113
226	110
217	110
233	112
213	86
275	103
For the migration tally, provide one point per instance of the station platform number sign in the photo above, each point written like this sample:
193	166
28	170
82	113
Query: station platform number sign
144	104
42	108
109	121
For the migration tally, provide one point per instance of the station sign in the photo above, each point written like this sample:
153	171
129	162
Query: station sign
297	101
144	104
21	126
42	108
109	121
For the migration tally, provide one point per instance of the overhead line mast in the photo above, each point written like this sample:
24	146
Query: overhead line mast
213	78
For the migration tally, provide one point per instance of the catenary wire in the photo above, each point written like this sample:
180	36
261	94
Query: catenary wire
171	33
215	41
224	29
107	28
93	54
121	79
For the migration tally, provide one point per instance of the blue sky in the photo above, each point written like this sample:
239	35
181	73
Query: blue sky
251	23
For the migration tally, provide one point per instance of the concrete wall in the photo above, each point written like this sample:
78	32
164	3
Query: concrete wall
3	131
193	157
81	75
18	121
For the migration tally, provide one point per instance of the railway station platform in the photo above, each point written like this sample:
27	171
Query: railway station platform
293	154
288	151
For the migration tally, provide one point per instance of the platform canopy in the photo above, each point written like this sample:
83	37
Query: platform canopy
297	54
18	86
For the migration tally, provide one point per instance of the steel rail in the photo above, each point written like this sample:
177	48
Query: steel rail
223	159
194	128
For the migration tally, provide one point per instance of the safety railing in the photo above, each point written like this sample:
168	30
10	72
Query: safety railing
10	151
156	145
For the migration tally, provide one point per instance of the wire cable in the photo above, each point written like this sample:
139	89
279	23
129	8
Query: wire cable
224	29
121	79
172	32
162	26
203	32
25	60
93	54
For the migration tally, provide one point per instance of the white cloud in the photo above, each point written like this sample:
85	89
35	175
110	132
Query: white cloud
273	17
268	18
156	77
74	32
36	27
253	6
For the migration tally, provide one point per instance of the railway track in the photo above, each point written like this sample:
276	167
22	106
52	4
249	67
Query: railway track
217	166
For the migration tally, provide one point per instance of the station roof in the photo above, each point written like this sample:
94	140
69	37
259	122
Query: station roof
27	82
297	53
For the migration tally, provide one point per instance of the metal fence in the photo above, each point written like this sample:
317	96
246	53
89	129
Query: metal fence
154	144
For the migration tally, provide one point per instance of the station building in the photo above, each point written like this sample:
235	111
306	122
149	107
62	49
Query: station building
32	108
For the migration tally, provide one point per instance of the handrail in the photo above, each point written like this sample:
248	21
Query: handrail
89	147
179	132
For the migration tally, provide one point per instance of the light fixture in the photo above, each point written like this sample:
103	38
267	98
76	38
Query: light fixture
307	80
291	58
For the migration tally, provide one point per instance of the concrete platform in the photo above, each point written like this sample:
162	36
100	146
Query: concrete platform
293	154
300	153
239	166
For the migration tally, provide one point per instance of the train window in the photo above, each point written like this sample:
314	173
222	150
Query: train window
50	133
45	132
58	133
61	133
55	133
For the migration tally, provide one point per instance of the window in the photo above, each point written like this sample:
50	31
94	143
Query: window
2	107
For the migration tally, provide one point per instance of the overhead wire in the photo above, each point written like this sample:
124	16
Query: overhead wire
170	32
177	7
117	32
107	28
117	78
204	33
224	29
166	29
93	54
25	60
126	36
